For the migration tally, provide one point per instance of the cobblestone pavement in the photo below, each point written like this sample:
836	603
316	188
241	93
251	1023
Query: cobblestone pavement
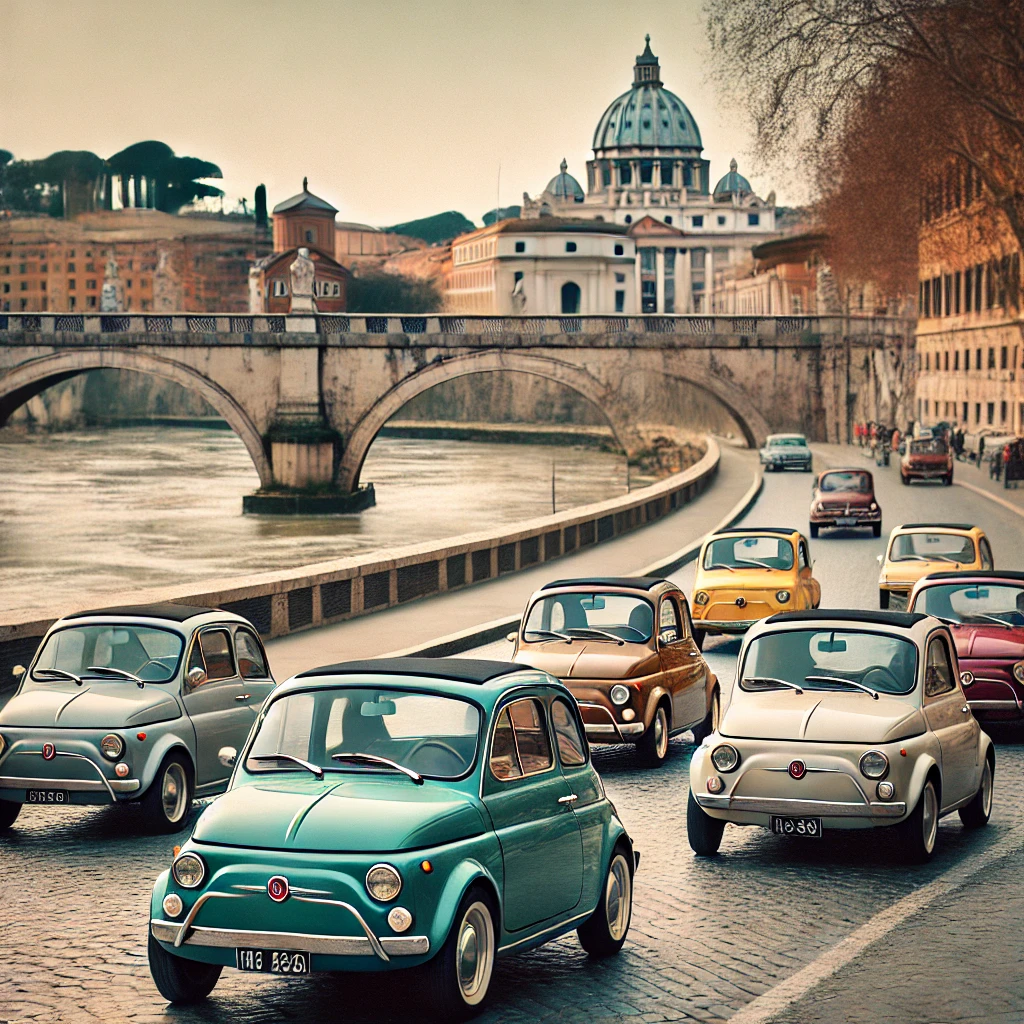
707	938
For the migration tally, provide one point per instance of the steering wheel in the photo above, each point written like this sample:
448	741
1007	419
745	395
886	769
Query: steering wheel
878	677
441	745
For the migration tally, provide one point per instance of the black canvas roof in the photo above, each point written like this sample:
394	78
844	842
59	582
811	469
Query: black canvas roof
171	612
463	670
634	582
786	530
876	618
987	574
937	526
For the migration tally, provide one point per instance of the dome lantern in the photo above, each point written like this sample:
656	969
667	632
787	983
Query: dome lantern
647	70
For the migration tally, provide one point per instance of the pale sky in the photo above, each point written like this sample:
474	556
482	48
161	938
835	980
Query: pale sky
394	109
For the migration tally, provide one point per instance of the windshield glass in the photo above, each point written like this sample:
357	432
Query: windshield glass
943	547
886	664
928	446
993	603
431	734
786	442
590	616
148	652
852	481
750	553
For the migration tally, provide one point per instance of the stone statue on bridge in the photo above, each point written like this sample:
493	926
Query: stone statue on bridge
112	294
303	273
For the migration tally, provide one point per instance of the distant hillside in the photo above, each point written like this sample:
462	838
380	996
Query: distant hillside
442	227
501	213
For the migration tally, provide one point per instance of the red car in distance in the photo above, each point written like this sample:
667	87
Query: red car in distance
845	497
985	612
927	458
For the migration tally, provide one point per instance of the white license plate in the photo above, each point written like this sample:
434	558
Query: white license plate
47	796
846	521
272	961
807	827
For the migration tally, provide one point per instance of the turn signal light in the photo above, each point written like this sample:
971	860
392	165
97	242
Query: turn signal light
714	784
427	867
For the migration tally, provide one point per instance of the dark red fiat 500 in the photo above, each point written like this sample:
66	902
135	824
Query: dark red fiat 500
845	497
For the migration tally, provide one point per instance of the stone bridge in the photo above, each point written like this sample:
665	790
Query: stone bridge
308	394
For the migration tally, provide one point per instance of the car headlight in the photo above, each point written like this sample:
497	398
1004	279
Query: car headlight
189	870
1018	674
619	694
782	596
173	905
819	506
874	765
874	506
112	746
725	758
700	598
383	882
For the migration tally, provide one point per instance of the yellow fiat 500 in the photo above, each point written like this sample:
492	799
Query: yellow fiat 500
918	549
745	574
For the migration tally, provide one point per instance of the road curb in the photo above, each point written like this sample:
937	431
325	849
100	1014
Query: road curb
991	497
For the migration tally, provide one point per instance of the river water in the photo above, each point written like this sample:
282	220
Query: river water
90	513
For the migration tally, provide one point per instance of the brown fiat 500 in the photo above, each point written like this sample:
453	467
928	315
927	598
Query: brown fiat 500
845	497
625	648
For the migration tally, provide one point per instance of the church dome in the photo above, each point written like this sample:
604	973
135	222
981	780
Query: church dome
647	116
564	186
732	183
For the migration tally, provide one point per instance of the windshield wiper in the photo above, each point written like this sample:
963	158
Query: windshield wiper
315	769
58	672
550	632
386	761
840	679
603	634
772	680
992	618
722	565
942	618
118	672
754	561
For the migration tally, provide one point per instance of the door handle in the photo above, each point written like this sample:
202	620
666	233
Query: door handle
965	709
570	799
694	654
243	696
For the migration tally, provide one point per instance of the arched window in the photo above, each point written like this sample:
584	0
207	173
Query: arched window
570	297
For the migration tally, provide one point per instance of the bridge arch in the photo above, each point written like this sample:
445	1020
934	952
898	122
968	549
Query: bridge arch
27	380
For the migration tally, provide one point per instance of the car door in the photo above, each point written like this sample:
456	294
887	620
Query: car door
253	668
808	584
574	761
531	807
950	719
681	663
219	710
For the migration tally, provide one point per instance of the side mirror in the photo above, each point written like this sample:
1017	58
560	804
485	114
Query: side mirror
227	755
511	637
879	558
18	670
196	676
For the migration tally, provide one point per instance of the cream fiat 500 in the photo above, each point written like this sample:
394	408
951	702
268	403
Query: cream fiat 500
843	720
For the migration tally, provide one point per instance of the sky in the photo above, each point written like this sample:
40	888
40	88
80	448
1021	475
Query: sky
394	109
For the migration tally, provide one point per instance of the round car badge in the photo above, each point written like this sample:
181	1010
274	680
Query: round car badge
741	602
797	769
277	888
49	751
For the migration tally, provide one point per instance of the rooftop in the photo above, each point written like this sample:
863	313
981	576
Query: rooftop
462	670
854	615
171	612
539	225
632	582
305	200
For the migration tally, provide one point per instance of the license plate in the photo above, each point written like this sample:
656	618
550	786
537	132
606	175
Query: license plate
846	521
810	827
272	961
47	796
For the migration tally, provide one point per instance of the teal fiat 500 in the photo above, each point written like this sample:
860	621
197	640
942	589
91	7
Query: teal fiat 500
406	813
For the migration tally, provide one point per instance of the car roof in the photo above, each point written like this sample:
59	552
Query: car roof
630	582
461	670
775	437
171	612
973	574
877	618
937	526
782	530
844	469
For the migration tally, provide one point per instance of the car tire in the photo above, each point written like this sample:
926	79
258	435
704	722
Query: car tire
904	480
699	636
883	599
919	832
978	811
703	832
9	812
814	530
179	980
653	744
702	731
604	932
876	529
166	804
947	481
457	979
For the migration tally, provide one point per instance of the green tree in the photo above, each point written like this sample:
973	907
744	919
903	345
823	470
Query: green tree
172	177
378	292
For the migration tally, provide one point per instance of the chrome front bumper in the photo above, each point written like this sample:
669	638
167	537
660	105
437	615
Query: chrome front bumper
610	731
804	808
101	784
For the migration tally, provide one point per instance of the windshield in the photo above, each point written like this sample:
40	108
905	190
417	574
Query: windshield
591	616
885	664
928	446
786	442
859	482
427	733
148	652
943	547
750	553
992	603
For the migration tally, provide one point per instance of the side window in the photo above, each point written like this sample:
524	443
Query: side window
687	621
572	749
195	658
505	763
520	745
805	561
986	554
249	655
216	645
668	622
938	673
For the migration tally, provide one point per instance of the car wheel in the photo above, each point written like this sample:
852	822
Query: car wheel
8	813
703	832
604	932
948	480
920	830
876	529
179	980
814	530
904	480
710	724
653	745
883	599
699	636
978	811
166	803
457	979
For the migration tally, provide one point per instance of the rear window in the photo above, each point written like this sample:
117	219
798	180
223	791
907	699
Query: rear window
860	482
942	547
749	553
928	446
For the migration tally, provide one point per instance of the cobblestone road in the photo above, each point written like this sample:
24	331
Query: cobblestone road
708	937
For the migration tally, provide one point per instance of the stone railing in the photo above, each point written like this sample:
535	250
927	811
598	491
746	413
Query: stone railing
290	600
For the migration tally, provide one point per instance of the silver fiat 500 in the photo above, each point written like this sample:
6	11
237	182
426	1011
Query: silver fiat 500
132	704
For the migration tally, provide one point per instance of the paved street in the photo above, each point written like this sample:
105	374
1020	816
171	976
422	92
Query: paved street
710	939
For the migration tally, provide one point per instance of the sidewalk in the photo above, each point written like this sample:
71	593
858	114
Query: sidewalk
421	621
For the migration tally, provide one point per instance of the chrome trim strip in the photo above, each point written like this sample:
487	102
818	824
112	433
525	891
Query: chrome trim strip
726	625
612	728
293	889
71	785
79	757
821	808
191	916
331	945
373	940
994	705
543	931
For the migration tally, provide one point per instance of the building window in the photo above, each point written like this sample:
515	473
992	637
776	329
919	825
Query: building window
956	360
927	361
945	361
91	301
646	167
72	302
1003	357
606	175
309	236
956	292
629	218
991	358
968	289
1002	412
625	174
570	246
926	300
648	257
520	247
620	301
964	417
697	220
666	172
977	359
42	288
570	298
990	409
977	413
753	219
24	286
619	249
721	220
71	285
517	277
280	289
668	219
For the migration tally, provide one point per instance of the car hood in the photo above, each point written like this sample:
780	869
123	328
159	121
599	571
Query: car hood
821	716
589	660
95	705
341	814
989	642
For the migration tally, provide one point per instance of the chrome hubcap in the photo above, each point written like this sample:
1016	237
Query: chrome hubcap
618	897
930	817
474	953
173	792
986	790
661	733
